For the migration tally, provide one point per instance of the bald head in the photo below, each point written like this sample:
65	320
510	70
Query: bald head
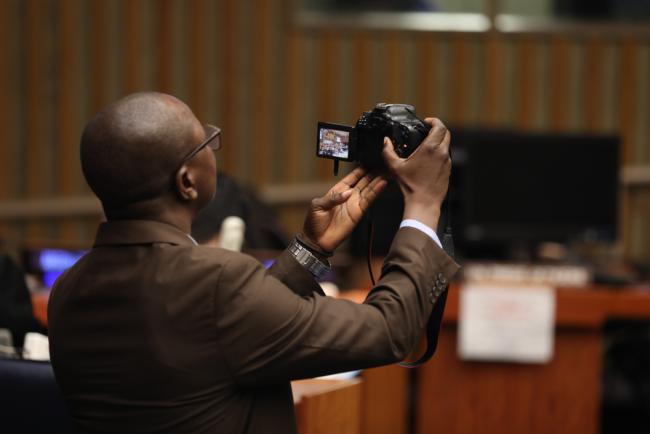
130	149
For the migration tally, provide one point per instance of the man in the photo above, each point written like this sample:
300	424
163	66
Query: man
151	333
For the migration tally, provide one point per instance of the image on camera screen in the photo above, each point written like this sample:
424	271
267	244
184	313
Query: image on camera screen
333	143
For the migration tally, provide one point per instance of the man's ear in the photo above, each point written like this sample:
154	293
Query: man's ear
185	184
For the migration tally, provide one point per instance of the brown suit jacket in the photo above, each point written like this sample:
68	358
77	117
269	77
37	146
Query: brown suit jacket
151	333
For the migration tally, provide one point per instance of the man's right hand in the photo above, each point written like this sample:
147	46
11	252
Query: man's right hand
423	176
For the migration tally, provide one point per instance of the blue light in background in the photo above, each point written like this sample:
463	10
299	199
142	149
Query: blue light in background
49	277
53	262
57	259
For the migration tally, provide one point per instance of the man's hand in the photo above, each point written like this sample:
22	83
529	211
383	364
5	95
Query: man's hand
423	177
331	218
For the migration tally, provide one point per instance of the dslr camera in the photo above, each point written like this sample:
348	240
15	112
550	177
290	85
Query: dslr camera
364	142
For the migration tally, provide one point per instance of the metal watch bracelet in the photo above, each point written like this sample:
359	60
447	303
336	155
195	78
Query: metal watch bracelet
317	267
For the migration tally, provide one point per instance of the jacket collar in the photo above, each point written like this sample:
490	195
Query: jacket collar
140	232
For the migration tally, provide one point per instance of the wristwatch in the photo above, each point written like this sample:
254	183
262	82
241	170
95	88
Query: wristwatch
317	267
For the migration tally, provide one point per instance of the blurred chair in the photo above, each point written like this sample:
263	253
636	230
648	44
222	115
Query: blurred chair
30	399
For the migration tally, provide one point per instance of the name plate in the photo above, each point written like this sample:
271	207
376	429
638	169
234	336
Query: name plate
502	323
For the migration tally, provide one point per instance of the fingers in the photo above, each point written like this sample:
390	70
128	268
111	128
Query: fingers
444	146
363	182
390	156
357	179
371	192
331	199
368	188
438	138
352	178
437	132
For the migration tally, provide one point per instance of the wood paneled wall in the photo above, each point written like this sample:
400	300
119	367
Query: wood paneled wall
250	68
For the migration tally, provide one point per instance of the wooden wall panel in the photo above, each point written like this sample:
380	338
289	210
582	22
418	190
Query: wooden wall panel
425	75
67	80
362	66
509	78
559	74
393	65
526	71
474	78
5	51
131	45
492	85
645	144
292	107
643	120
261	116
242	164
16	103
97	35
164	36
266	80
609	69
197	64
309	94
593	83
626	117
329	78
458	80
627	95
35	115
67	123
228	39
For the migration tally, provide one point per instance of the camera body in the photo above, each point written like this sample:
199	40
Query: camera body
364	142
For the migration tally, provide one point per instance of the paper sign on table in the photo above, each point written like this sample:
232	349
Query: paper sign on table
506	323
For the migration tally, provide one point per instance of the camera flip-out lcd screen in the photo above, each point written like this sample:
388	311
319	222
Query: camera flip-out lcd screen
333	141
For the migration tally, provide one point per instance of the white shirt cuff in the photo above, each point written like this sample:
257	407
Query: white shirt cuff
411	223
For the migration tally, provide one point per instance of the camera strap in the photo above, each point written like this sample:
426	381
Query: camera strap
435	318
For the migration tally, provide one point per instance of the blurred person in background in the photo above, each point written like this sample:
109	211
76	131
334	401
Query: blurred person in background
260	227
16	310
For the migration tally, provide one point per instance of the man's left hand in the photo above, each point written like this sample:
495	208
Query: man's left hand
331	218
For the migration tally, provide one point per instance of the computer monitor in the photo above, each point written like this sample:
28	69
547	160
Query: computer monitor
49	263
514	189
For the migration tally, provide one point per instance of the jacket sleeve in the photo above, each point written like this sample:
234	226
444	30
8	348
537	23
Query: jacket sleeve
288	271
271	334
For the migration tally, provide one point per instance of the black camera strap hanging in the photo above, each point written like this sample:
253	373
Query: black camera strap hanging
435	318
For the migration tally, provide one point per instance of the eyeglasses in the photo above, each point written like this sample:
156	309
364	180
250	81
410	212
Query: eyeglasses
213	140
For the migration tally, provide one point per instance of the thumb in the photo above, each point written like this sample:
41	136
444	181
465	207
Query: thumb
390	156
332	199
